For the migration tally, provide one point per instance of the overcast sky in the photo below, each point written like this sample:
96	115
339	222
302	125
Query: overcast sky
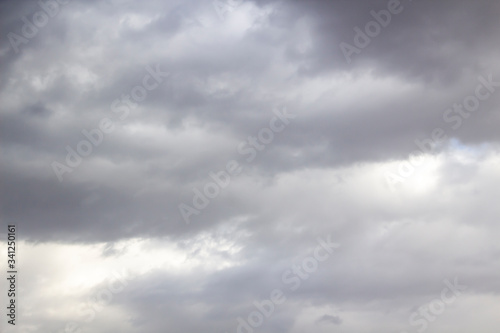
252	165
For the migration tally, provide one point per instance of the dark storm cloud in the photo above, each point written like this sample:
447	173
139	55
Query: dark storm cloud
426	41
45	117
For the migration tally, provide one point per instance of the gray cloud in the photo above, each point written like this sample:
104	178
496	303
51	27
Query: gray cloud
322	174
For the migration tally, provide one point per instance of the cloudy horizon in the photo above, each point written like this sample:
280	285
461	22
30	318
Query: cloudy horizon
251	165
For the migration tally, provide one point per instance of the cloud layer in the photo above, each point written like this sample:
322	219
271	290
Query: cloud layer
115	114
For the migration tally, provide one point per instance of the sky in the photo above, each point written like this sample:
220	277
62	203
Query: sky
251	165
